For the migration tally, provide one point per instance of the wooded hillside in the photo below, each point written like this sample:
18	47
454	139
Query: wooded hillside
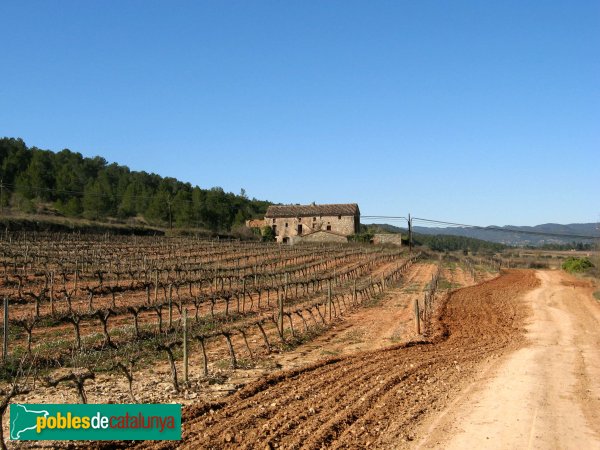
66	183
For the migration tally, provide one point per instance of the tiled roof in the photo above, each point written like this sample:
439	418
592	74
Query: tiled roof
347	209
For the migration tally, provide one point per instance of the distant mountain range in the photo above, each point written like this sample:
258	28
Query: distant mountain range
548	233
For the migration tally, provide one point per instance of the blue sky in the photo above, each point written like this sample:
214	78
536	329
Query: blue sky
474	112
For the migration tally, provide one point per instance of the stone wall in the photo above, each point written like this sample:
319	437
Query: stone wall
320	236
288	227
388	238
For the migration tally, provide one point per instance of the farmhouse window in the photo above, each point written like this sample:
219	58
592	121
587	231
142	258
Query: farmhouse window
328	227
299	228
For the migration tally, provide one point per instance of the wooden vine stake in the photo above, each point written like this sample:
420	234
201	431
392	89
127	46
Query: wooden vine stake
5	334
185	345
170	300
52	293
156	287
329	298
417	316
280	317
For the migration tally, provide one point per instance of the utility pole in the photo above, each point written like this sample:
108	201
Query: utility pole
598	241
410	237
1	192
170	216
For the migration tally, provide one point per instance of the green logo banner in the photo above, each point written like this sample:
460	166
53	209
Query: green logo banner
66	422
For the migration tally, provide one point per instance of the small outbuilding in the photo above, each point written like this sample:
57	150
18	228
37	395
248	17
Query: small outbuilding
255	223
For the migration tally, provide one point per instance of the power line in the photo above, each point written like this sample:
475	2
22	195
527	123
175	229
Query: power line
384	217
508	230
477	227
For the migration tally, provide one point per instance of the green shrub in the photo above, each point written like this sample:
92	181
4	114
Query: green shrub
362	237
268	235
578	265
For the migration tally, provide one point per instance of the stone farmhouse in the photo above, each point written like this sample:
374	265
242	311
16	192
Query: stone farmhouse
313	223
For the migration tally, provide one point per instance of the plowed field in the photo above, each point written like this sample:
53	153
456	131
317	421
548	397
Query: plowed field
371	399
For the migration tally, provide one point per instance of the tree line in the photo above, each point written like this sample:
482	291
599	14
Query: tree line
444	242
35	180
581	246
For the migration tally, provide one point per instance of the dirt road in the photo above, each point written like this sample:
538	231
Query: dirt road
545	395
372	399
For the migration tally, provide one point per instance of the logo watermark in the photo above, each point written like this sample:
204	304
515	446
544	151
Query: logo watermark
60	422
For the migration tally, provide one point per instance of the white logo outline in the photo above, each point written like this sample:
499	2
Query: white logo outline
18	435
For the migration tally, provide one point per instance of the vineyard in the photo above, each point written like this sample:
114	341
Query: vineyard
78	305
258	341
